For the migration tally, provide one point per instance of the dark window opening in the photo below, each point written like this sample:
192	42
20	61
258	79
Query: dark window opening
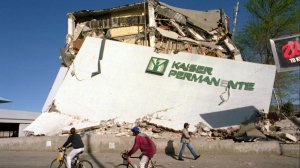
8	130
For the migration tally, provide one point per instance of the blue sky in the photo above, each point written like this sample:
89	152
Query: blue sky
33	31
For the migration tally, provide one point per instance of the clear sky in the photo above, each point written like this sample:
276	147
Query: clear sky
33	31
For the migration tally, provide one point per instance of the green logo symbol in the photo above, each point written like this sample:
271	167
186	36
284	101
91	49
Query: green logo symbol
157	66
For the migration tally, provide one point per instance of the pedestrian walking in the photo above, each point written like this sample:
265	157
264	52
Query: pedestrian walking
186	142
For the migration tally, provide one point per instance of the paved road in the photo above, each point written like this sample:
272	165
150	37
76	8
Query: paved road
14	159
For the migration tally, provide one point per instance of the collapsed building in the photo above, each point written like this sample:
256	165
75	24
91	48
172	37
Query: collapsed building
155	24
152	63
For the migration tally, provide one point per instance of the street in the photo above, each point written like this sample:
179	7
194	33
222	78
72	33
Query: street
22	159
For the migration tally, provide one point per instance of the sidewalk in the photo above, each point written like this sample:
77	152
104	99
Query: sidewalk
23	159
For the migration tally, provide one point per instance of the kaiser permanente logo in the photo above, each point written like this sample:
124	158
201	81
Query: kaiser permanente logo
157	66
194	73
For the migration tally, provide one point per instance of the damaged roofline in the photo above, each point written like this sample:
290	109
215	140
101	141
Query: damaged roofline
92	13
154	24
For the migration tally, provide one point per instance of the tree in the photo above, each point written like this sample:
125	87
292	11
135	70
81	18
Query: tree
287	108
271	19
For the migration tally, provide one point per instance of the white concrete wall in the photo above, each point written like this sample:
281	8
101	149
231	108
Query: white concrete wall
124	91
21	128
102	143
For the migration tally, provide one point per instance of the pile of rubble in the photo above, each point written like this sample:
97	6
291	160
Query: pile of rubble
111	127
155	24
285	130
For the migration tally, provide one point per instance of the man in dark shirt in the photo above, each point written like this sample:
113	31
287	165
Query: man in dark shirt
75	141
145	144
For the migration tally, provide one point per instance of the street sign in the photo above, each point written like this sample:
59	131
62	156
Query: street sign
286	52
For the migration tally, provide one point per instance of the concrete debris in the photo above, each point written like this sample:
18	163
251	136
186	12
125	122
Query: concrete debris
282	130
257	129
261	130
171	29
248	132
290	137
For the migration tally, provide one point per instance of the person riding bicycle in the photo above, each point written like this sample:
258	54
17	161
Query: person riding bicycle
75	141
145	144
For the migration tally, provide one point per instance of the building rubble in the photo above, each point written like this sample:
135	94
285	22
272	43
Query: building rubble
170	29
263	129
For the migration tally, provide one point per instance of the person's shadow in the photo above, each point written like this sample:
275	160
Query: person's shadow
169	150
89	151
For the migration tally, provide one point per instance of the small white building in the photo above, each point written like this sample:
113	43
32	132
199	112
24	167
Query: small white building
13	122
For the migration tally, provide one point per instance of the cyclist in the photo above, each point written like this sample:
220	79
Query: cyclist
75	141
145	144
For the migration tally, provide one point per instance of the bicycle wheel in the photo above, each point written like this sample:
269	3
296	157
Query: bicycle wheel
85	164
58	164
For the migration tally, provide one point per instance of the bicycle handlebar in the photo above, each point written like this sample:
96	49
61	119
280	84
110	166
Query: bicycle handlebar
61	149
124	155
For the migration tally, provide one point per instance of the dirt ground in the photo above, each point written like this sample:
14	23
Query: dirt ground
15	159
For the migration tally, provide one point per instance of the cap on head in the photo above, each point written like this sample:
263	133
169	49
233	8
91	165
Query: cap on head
135	130
185	125
72	130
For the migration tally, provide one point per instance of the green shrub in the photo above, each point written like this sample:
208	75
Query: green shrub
287	109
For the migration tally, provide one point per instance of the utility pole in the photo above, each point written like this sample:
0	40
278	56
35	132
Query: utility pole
236	9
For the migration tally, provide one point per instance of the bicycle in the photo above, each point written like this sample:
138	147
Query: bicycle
60	161
127	162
